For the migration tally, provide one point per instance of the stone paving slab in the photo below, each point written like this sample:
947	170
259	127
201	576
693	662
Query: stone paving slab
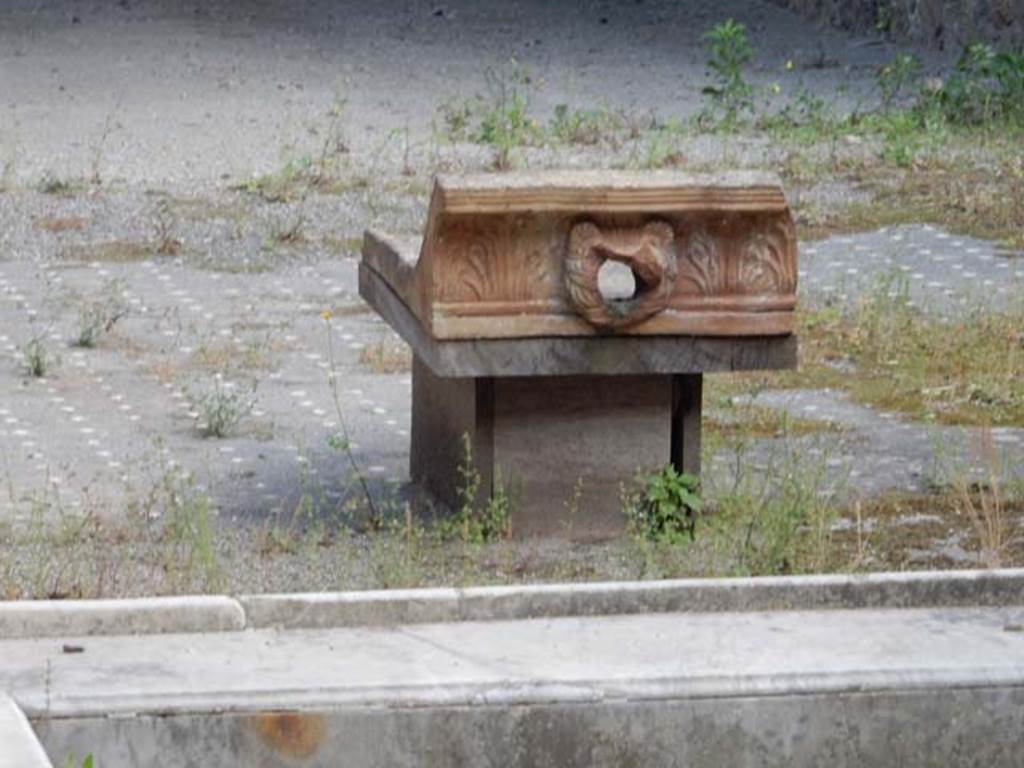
112	422
651	655
879	451
599	664
940	272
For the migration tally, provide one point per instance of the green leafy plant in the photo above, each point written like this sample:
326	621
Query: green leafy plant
474	523
54	185
72	762
666	505
985	86
776	519
897	77
501	118
661	150
505	122
457	116
901	139
187	535
326	171
884	18
728	53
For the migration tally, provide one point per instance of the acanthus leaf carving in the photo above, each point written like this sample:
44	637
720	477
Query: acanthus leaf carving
700	268
767	261
493	261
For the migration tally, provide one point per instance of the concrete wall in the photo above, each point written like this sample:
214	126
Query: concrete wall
957	727
942	24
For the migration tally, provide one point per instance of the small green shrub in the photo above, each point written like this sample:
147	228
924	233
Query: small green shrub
457	117
666	505
661	150
500	119
728	53
53	185
985	86
188	535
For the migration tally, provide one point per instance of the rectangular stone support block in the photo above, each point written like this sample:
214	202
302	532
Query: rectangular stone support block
563	447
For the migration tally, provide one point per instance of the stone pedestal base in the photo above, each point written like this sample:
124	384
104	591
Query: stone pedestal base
562	445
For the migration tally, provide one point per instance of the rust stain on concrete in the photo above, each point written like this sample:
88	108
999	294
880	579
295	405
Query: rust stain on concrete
291	734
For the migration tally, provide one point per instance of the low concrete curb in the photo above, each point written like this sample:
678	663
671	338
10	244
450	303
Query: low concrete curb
19	747
838	591
137	616
320	610
351	609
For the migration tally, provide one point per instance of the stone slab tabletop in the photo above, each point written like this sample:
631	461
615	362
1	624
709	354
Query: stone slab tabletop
567	355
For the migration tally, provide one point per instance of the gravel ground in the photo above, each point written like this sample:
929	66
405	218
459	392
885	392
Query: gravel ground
157	93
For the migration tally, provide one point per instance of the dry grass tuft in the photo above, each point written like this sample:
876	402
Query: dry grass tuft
984	504
58	224
113	251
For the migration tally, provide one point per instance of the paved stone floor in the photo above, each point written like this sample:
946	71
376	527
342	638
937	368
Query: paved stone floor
112	421
940	272
171	110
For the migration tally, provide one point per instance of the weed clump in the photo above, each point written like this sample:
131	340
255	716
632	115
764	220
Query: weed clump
223	407
96	319
38	358
474	523
665	505
501	119
728	53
